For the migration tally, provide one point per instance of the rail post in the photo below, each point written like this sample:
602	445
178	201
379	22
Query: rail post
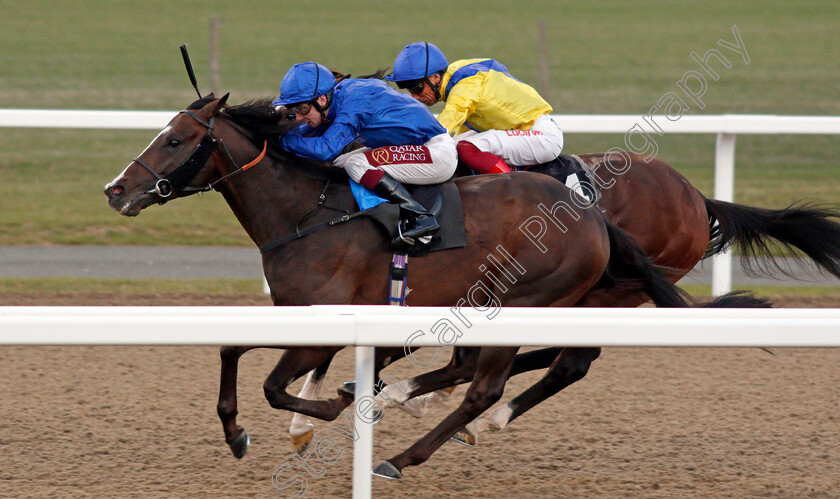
363	447
724	191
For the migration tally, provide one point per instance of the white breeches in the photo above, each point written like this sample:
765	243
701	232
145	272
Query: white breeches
542	143
432	163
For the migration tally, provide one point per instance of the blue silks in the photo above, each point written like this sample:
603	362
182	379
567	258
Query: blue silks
364	196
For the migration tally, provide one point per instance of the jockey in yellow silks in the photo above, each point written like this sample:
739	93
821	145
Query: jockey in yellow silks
496	119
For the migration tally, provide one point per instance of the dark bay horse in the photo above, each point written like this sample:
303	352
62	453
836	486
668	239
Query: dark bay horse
677	226
346	264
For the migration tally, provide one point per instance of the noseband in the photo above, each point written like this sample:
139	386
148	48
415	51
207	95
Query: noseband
179	179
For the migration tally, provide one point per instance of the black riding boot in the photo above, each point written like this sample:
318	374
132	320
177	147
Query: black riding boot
420	221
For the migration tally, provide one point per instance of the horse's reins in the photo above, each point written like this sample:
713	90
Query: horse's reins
322	200
179	179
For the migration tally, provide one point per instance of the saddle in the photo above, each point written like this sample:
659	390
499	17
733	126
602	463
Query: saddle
443	201
573	172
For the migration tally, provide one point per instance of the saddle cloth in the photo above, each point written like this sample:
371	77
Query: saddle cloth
444	202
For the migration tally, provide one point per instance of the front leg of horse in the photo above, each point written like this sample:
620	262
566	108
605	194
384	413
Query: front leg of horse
486	389
294	364
418	407
301	429
235	436
384	357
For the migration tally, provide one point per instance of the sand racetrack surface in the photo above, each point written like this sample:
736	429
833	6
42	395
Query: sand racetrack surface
645	422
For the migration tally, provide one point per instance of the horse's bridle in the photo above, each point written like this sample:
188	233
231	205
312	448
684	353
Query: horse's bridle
179	179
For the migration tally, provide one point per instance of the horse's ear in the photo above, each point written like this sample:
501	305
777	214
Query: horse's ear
212	108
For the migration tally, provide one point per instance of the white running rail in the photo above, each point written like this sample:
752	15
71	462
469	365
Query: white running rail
369	326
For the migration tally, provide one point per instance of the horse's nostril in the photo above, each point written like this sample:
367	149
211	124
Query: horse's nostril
116	190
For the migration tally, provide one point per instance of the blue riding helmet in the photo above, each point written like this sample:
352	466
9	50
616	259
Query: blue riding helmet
417	61
305	82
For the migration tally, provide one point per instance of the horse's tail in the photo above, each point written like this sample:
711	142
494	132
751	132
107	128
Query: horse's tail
813	230
738	299
629	267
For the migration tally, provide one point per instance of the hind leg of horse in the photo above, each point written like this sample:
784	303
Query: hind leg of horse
487	387
420	402
406	394
235	436
570	366
292	365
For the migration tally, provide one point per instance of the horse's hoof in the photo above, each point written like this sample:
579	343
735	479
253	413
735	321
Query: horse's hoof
301	442
378	414
239	445
348	389
464	438
386	470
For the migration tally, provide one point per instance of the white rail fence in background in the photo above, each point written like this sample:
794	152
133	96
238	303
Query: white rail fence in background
724	126
369	326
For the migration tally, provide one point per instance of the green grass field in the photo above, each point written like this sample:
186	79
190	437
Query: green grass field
128	286
770	291
604	57
254	286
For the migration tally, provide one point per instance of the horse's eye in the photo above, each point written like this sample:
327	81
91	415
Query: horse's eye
174	143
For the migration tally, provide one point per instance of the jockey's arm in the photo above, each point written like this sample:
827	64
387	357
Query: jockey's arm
325	147
460	104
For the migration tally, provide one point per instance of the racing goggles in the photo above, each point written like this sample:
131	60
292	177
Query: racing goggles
300	108
413	86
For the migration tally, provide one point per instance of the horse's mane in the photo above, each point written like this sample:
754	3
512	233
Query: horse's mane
258	116
266	123
378	75
261	117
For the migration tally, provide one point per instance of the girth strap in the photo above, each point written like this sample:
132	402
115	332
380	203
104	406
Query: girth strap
399	274
309	230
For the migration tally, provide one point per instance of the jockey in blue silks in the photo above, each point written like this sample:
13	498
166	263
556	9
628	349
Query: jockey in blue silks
403	142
